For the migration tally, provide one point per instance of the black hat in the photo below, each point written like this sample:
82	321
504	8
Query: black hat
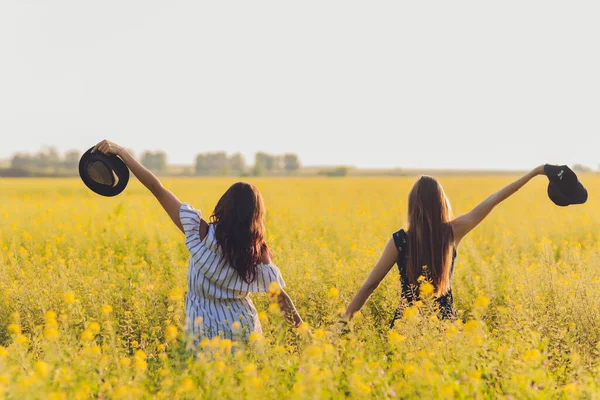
104	174
564	187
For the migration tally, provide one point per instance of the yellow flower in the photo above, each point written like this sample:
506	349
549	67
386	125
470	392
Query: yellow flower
475	374
176	295
57	396
92	350
395	338
410	312
220	366
482	302
447	392
451	332
14	328
532	355
236	326
21	339
125	362
140	365
250	369
571	389
51	333
255	338
94	327
106	309
41	368
50	317
86	336
364	389
171	333
298	388
426	289
226	345
274	308
333	292
69	298
263	317
471	326
409	368
140	355
274	289
187	385
319	333
314	352
214	342
304	328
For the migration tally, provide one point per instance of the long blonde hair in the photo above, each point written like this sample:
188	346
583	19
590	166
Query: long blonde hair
431	239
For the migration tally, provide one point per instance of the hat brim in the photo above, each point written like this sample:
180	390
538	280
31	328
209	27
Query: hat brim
114	163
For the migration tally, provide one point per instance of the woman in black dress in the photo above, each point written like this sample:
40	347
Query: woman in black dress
428	246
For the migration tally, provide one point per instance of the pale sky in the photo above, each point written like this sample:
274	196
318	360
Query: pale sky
438	84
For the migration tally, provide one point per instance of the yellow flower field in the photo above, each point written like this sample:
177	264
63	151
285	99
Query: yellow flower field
92	295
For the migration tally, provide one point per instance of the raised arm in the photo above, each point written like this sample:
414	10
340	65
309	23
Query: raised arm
167	200
465	223
380	270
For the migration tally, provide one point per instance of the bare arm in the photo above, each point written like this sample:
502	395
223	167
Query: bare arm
379	271
466	223
289	310
166	198
286	305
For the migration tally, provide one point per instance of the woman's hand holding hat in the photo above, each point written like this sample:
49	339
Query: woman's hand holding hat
108	147
540	170
104	171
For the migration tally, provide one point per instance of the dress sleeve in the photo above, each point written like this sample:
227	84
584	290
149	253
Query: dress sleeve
266	274
190	220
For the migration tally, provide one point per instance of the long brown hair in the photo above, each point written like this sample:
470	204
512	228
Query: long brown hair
430	236
239	217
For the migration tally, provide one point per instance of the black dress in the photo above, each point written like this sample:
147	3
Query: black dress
410	293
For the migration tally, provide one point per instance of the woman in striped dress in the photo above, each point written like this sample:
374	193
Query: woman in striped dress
229	258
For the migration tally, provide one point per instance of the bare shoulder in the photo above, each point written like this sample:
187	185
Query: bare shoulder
458	229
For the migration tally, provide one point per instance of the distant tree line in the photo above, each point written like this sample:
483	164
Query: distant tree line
154	160
48	162
46	159
219	163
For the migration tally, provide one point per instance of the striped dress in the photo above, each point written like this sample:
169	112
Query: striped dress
217	296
